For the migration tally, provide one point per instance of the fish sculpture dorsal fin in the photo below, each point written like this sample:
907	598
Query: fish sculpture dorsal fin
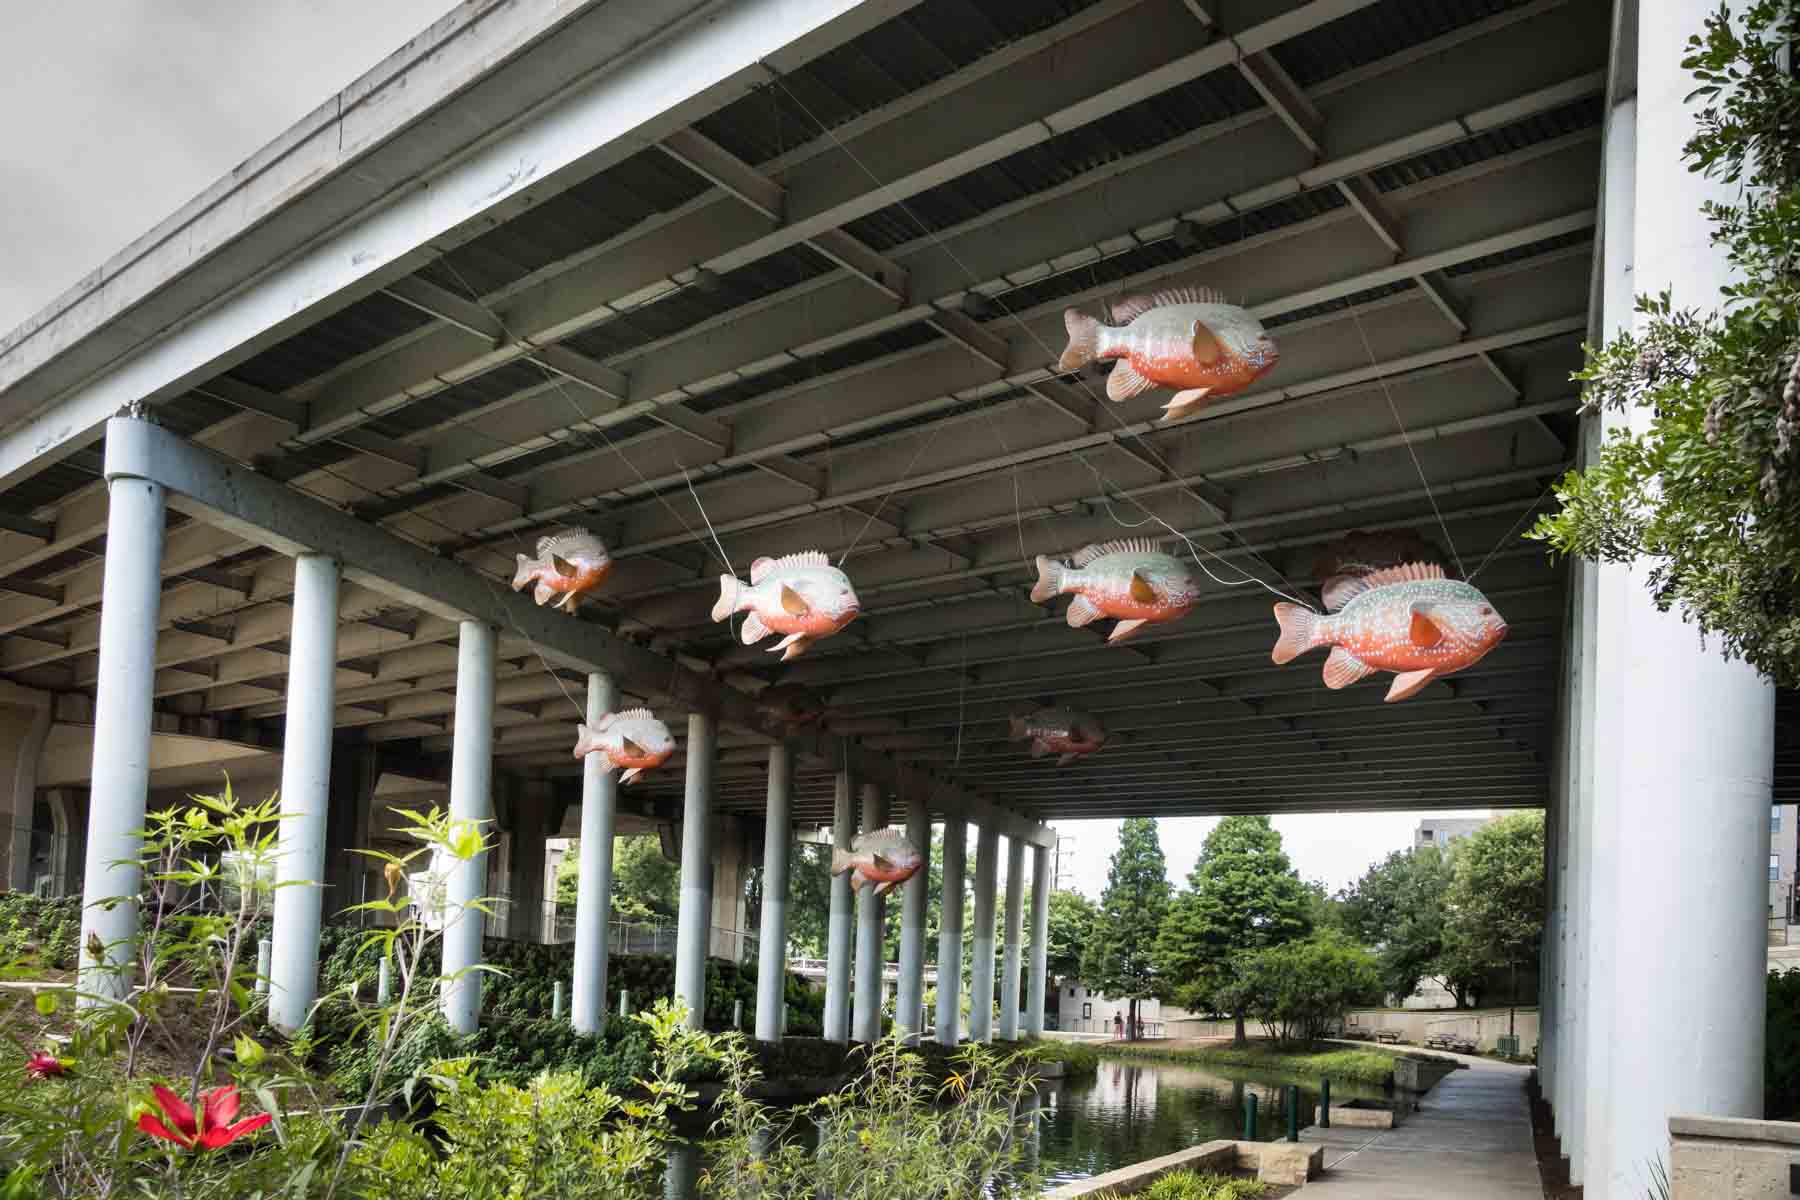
1340	590
631	714
763	567
1188	295
1088	554
1416	572
571	544
1127	309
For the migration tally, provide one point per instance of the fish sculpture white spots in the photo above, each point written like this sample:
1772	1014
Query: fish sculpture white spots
1132	580
1061	731
1191	339
801	596
1410	620
633	740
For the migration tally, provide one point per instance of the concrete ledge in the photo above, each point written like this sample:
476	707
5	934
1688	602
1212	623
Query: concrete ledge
1730	1158
1288	1164
1355	1115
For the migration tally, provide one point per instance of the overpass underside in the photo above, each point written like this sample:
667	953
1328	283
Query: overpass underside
719	281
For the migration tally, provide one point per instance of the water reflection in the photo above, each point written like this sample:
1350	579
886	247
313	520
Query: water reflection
1128	1112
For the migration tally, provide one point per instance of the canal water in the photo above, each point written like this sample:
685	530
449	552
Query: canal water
1126	1113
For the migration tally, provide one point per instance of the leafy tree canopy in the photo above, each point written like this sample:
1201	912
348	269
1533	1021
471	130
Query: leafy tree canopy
1300	989
645	886
1705	489
1496	900
1117	959
1242	895
1399	906
1071	918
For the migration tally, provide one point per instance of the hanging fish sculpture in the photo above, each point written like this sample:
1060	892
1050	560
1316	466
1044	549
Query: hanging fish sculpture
1409	619
1131	580
1060	731
1364	552
1191	339
791	704
569	564
633	741
884	858
801	596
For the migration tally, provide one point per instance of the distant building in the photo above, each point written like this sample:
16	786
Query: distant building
1441	831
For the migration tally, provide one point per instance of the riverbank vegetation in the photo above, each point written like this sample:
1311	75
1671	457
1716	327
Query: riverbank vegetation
1374	1067
182	1089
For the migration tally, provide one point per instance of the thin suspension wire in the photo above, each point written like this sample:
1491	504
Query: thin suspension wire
941	244
924	444
1505	537
1406	437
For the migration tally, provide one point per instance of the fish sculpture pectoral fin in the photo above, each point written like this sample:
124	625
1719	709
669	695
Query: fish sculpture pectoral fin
631	776
1343	669
542	593
1125	383
1184	403
1083	611
1066	759
796	646
1424	631
632	748
883	888
753	631
1125	629
793	603
1141	589
1408	684
563	566
1207	347
857	880
883	864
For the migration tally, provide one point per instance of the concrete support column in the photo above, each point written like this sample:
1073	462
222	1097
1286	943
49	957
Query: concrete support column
24	724
130	594
693	930
471	800
915	903
525	866
1010	959
871	958
1608	588
1696	759
950	931
593	895
305	792
837	930
1038	974
778	843
981	951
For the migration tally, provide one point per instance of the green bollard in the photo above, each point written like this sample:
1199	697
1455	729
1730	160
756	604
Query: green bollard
1293	1112
624	1003
1325	1104
1249	1116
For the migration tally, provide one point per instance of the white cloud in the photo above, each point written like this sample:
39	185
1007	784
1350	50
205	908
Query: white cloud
123	110
1335	848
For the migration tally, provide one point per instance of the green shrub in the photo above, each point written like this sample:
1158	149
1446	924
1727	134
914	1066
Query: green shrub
40	933
1191	1185
1077	1058
1361	1066
1781	1048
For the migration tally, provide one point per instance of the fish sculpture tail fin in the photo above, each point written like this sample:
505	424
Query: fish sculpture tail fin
1018	729
1049	580
1084	340
728	597
842	860
1299	627
522	574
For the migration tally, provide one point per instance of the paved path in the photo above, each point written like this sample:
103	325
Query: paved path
1471	1139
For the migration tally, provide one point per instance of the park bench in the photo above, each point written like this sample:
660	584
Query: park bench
1387	1035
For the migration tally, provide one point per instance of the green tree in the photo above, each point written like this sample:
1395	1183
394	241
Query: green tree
1242	895
1300	990
1705	491
1399	906
1496	900
645	885
1071	917
1118	958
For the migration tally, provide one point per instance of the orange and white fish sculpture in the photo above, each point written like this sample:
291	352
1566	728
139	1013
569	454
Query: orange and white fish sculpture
1408	619
569	564
633	741
884	858
1060	731
791	704
1132	580
1191	339
801	596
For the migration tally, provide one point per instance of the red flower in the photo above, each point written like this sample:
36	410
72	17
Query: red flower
218	1109
42	1064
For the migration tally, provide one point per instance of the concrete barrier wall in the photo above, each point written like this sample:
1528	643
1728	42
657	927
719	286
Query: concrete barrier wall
1730	1158
1285	1164
1483	1026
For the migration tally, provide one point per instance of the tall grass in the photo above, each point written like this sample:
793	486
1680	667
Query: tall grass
1363	1066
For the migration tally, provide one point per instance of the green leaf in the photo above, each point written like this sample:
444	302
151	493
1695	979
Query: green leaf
47	1003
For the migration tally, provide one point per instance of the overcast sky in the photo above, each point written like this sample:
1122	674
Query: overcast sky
1334	848
120	111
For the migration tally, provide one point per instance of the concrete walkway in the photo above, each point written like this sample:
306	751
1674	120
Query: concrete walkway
1470	1139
